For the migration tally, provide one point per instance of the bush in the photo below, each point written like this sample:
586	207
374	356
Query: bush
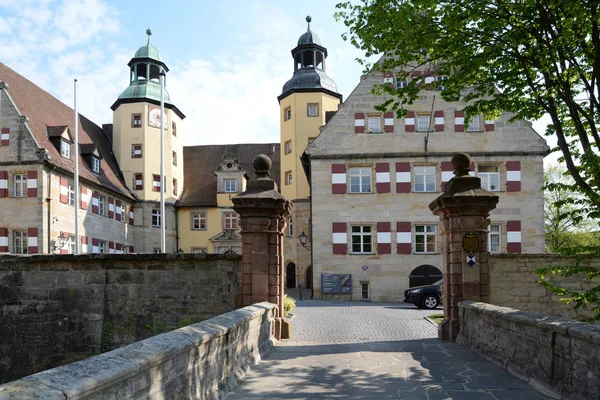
289	303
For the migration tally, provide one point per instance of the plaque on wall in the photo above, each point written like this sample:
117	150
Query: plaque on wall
336	283
470	243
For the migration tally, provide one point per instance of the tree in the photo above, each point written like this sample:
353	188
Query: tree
527	57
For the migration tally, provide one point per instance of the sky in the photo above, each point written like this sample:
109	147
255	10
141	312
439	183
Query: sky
228	60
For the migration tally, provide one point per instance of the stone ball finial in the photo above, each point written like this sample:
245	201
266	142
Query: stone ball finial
308	19
148	31
461	162
262	165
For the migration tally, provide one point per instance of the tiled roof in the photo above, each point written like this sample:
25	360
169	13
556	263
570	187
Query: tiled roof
200	163
44	110
56	131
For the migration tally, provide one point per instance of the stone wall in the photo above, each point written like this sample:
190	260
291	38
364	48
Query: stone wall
513	283
201	361
58	309
556	355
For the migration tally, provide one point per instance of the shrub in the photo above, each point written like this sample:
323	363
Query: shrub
289	303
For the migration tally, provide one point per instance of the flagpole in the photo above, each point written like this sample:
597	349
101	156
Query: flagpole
162	163
76	150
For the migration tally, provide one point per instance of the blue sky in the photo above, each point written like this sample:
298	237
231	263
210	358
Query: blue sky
228	59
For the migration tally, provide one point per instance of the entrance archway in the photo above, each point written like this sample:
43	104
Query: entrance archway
424	275
290	276
309	277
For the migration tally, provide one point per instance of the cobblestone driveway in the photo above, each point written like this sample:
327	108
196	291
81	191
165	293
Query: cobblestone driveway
354	322
374	351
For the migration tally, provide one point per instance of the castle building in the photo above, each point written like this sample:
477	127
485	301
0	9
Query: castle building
372	177
306	100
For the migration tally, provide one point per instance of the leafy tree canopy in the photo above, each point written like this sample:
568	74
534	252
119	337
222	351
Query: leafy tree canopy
528	57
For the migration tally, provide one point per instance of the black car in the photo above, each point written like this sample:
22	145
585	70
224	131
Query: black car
426	296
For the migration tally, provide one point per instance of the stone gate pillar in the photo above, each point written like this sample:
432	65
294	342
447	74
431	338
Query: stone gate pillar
263	211
463	209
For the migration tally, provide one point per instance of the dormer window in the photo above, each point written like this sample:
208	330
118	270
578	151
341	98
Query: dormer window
95	164
230	185
65	149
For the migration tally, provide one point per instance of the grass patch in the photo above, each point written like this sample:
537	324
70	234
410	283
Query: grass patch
437	318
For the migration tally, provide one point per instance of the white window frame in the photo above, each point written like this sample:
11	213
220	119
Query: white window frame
357	174
20	185
95	164
156	218
314	108
474	124
102	246
487	177
363	232
290	227
428	174
232	219
174	155
227	185
101	205
70	244
495	232
71	194
439	82
421	120
374	123
65	149
288	147
429	231
368	290
288	178
287	114
401	84
19	242
199	217
136	120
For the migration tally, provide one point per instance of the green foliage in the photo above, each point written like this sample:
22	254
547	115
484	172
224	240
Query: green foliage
107	341
530	58
159	327
437	318
289	303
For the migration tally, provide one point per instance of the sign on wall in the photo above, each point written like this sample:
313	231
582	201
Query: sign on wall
154	118
336	283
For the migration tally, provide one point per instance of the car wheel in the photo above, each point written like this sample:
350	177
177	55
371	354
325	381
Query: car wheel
430	301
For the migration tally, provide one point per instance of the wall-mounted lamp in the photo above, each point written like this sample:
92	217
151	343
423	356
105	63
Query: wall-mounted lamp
62	240
303	237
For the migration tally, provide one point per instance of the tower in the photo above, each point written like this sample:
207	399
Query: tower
136	146
304	103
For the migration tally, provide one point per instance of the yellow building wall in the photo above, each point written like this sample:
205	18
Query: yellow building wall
124	136
189	238
299	129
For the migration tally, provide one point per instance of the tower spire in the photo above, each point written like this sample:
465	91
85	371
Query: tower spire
149	33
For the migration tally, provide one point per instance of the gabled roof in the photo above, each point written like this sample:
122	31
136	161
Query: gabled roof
44	110
200	162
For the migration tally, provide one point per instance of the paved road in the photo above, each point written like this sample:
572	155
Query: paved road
373	351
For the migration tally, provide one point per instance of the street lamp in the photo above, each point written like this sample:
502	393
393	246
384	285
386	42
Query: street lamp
303	237
62	240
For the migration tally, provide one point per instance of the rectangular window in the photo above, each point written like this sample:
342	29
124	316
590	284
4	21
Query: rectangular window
136	151
156	217
101	247
229	185
174	187
156	183
424	178
230	220
364	290
287	147
290	228
136	120
20	242
425	238
400	84
362	239
95	164
360	180
494	243
65	149
287	113
474	124
70	245
20	185
440	82
423	122
490	177
174	130
175	158
288	178
312	109
374	123
101	205
71	191
138	181
199	221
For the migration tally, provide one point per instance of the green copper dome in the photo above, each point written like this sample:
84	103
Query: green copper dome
148	51
144	90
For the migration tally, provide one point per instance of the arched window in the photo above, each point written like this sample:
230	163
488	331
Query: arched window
140	72
154	73
424	275
290	276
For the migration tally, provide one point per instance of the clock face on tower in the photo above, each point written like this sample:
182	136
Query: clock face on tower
154	118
